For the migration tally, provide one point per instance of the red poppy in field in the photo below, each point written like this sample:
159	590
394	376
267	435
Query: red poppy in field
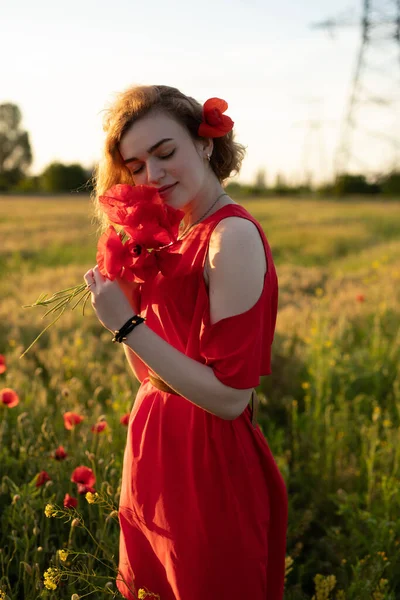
9	397
59	453
70	501
214	123
99	427
84	478
42	477
125	419
3	366
71	419
360	297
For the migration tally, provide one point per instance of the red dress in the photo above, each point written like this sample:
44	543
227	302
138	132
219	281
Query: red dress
203	507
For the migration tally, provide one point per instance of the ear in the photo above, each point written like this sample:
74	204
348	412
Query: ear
205	147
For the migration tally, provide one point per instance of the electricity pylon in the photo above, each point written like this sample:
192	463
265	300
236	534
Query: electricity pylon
316	166
373	107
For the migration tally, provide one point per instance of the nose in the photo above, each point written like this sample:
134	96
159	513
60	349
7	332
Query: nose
155	172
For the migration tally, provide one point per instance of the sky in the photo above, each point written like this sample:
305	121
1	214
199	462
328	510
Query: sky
286	84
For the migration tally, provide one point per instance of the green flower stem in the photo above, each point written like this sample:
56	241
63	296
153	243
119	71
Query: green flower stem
63	299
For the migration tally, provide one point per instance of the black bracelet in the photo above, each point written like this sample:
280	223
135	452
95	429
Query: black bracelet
120	335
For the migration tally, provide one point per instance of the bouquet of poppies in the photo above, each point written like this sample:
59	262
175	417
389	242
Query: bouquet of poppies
136	253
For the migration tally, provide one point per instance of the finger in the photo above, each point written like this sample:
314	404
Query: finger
89	277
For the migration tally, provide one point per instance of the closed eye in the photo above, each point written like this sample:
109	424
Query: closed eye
164	157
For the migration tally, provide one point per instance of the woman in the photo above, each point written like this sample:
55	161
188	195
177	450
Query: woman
203	506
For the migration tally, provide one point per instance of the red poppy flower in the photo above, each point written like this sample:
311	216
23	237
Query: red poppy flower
59	453
3	366
84	478
360	297
9	397
143	214
152	224
99	427
42	477
70	501
215	124
71	419
123	195
116	259
124	420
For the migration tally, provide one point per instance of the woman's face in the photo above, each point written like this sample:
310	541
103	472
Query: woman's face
159	152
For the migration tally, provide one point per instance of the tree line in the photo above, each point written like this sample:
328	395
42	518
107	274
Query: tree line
16	159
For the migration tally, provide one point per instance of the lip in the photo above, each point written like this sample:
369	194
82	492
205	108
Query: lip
166	189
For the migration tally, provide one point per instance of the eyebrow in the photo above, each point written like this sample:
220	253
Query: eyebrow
150	150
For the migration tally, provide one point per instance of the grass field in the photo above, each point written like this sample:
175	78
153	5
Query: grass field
330	409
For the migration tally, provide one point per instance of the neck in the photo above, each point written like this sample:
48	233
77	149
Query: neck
197	207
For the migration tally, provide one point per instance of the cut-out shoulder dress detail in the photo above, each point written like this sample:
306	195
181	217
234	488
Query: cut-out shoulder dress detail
203	506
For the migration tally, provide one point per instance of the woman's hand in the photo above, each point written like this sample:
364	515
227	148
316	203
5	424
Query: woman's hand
109	302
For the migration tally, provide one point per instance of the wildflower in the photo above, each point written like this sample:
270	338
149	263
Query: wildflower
305	385
124	420
91	498
74	597
360	297
59	453
75	523
99	427
70	501
113	515
71	419
42	477
2	595
376	413
84	478
141	594
3	366
9	397
49	511
51	578
63	554
15	499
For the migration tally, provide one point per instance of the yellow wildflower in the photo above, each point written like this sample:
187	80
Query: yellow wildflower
305	385
90	497
386	422
142	594
376	413
51	577
63	554
49	510
328	343
2	595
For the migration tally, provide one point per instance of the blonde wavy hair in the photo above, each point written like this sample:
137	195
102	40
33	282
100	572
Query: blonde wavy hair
132	104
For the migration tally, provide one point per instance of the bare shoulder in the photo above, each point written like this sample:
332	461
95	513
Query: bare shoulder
235	241
236	267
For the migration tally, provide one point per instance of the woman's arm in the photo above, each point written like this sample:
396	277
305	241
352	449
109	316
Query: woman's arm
132	292
237	256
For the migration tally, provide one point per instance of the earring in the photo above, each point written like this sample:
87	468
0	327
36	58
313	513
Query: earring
208	157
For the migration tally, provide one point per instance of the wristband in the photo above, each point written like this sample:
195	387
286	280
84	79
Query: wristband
120	335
